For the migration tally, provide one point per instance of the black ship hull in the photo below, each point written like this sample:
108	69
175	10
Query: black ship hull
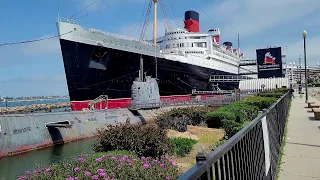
92	71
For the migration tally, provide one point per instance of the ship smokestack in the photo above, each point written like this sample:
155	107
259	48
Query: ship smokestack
228	45
191	21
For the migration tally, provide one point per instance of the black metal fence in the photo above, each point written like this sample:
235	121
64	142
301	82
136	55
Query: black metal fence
250	154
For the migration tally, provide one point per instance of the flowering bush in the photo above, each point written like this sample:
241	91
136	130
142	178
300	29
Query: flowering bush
145	140
107	166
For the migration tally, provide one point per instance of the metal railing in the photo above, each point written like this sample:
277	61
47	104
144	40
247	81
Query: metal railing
252	153
214	92
209	100
228	78
66	20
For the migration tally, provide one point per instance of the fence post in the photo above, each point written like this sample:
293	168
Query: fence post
201	159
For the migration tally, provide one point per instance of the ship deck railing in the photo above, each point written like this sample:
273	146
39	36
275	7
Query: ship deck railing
248	62
66	20
228	78
211	101
214	92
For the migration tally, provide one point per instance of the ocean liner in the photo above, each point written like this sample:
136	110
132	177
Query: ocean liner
102	63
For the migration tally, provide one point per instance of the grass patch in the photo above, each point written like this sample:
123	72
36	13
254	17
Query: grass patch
182	146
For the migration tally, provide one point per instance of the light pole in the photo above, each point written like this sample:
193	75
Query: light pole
304	34
300	83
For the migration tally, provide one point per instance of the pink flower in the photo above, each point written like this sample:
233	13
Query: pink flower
100	170
76	169
173	164
103	175
122	159
81	159
167	178
87	173
146	165
113	158
171	161
143	158
95	177
119	155
155	161
99	159
112	173
134	160
47	170
70	178
28	172
163	165
76	178
35	172
125	156
128	164
20	178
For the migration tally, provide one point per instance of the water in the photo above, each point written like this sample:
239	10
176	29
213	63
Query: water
11	167
27	103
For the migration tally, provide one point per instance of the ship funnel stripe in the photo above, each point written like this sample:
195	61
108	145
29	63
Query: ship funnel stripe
188	15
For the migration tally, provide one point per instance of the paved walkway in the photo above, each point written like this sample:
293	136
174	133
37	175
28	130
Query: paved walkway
301	159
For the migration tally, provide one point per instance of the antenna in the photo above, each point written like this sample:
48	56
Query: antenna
238	43
58	8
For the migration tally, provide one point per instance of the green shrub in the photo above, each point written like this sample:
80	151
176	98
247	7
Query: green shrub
271	94
107	166
179	118
145	140
243	112
182	146
261	102
282	90
231	127
316	84
213	119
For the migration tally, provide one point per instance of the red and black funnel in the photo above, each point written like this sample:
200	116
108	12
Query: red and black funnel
191	21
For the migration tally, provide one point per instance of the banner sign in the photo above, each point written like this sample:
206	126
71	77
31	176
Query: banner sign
269	62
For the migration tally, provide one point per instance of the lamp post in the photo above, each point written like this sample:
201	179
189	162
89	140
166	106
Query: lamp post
300	82
304	34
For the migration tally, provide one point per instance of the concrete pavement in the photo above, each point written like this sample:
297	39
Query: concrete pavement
301	159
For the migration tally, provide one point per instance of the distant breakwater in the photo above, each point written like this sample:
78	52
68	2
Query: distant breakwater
33	108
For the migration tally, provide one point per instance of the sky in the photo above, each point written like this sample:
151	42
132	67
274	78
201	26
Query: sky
37	68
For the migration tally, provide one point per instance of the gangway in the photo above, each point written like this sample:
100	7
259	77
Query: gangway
228	78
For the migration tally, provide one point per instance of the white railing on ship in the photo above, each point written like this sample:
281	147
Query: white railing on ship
66	20
118	36
228	78
214	92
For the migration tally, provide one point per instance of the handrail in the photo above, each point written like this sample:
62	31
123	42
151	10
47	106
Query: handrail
203	169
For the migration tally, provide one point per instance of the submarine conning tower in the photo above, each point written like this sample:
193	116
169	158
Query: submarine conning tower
191	21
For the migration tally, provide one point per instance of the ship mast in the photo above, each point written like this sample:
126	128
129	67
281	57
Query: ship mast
155	34
155	22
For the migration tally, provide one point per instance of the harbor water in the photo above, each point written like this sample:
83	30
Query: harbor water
31	102
13	166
